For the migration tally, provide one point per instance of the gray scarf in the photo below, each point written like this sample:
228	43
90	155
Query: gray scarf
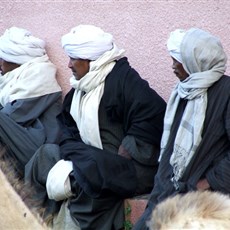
205	61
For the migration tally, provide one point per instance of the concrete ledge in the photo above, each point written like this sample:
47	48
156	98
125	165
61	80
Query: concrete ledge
134	207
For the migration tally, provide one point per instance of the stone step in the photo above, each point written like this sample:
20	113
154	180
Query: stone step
134	207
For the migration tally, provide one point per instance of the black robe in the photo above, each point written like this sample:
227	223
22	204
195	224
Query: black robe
128	100
105	178
101	179
212	158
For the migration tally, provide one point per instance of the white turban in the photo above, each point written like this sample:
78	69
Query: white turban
87	42
174	42
17	45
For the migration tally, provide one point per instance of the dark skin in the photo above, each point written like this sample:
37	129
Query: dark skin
79	67
6	66
180	72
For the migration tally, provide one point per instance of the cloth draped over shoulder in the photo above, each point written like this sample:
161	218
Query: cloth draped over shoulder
204	59
96	170
84	108
33	79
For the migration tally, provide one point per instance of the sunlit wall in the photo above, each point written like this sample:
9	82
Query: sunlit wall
140	27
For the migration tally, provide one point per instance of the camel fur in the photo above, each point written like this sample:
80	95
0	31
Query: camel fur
17	210
194	210
14	214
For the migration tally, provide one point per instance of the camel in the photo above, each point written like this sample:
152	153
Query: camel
15	213
194	210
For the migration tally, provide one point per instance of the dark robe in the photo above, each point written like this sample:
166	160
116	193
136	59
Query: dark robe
26	124
131	114
212	158
105	178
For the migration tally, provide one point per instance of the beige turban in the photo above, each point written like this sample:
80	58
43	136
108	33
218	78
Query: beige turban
17	45
87	42
174	42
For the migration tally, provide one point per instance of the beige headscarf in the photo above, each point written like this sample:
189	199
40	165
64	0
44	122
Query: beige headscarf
17	45
36	75
87	42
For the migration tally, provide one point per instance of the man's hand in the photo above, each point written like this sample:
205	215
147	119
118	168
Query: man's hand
123	152
202	185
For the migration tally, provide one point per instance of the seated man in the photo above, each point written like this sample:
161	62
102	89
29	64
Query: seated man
195	146
29	97
112	124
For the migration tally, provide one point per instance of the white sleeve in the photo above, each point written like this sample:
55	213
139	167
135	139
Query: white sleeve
58	182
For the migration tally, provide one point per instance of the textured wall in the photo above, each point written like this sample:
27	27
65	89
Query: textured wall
140	27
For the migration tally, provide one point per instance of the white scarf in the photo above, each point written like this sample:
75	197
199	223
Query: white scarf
197	45
32	79
84	108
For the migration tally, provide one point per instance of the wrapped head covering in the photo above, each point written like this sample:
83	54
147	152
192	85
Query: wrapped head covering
174	42
202	52
204	59
17	45
87	42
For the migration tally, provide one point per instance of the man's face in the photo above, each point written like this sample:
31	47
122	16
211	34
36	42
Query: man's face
6	66
79	67
179	70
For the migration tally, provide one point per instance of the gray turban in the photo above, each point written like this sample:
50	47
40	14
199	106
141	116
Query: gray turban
86	42
17	45
174	42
